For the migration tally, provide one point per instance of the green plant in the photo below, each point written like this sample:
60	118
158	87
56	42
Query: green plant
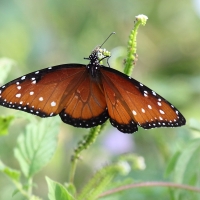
37	144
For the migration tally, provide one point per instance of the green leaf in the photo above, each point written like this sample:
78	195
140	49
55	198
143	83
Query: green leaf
172	163
187	167
13	174
5	67
188	163
4	124
70	188
37	145
57	191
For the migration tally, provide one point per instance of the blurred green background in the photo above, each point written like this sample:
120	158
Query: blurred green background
38	34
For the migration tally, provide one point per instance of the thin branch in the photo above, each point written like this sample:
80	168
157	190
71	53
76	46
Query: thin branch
151	184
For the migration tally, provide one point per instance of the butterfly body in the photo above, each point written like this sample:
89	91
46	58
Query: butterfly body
87	95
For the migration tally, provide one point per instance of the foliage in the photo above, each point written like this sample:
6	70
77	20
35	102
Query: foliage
4	124
37	143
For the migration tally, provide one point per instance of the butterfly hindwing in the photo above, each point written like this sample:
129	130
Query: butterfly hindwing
85	106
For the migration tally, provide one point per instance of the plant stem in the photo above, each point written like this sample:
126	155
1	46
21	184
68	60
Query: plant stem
21	190
30	186
132	45
83	144
150	184
100	181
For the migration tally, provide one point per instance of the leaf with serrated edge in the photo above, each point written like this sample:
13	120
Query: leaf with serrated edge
37	145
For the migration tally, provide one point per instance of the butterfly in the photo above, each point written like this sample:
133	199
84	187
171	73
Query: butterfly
87	95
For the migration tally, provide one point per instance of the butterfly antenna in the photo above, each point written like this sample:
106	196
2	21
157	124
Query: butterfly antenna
106	39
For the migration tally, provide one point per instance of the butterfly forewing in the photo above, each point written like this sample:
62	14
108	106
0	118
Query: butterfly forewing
41	92
143	106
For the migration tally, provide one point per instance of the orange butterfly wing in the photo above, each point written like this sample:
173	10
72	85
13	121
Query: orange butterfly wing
86	105
130	103
65	89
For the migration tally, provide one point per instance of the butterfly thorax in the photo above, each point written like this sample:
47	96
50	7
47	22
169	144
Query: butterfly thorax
95	58
94	66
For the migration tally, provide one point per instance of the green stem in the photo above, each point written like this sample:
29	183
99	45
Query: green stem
21	190
72	169
83	144
30	186
150	184
99	181
25	193
132	45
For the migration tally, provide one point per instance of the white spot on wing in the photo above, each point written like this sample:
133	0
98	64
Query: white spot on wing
19	87
18	95
159	103
23	77
134	112
153	93
149	106
162	112
53	103
41	99
143	110
51	114
31	93
33	82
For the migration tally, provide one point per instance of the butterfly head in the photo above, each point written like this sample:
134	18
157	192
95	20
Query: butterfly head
98	55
